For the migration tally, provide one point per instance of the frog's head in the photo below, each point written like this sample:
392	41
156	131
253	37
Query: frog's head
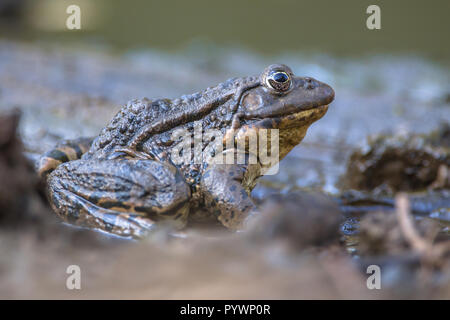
285	102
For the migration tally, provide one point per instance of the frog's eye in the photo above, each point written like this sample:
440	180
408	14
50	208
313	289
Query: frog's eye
279	80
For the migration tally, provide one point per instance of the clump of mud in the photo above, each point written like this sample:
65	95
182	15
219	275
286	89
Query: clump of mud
24	209
21	198
402	163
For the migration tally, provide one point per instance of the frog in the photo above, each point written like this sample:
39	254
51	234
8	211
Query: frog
126	182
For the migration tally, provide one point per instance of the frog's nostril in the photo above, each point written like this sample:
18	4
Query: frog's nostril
309	84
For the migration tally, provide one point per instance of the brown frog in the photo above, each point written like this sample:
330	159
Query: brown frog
131	176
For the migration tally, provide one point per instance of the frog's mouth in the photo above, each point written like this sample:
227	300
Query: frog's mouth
301	118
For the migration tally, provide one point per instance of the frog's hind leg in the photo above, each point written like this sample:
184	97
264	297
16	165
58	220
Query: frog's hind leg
77	210
64	151
124	197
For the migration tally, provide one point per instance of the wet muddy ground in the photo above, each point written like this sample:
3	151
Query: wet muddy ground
344	183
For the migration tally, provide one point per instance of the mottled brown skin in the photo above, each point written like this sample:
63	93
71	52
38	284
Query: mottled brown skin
128	179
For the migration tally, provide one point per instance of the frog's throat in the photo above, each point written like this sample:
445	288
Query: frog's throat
293	120
292	128
303	118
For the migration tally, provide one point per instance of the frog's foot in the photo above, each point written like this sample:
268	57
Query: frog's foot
65	150
124	197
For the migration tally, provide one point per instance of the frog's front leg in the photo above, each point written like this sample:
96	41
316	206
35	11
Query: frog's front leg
227	190
124	197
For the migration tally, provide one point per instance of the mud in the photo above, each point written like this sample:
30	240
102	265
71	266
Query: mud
21	194
315	238
414	162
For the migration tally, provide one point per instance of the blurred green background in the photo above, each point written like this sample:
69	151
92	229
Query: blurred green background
266	26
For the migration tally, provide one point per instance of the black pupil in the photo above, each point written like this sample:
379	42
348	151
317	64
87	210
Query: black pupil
280	77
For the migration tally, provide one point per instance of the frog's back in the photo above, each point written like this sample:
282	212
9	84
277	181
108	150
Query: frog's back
135	114
163	114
